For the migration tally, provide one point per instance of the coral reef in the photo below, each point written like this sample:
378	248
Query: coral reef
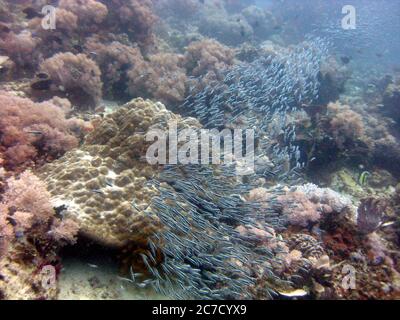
391	101
75	75
34	132
306	205
21	47
346	125
115	60
161	78
207	58
262	21
87	11
318	202
30	238
121	201
106	184
135	17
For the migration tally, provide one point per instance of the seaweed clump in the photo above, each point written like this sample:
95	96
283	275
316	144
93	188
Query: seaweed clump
31	235
35	132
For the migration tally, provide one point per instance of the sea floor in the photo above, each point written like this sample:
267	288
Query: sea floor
97	278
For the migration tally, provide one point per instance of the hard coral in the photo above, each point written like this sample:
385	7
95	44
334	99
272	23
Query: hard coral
106	185
76	75
33	131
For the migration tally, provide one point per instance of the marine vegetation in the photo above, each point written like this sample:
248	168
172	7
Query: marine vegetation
99	97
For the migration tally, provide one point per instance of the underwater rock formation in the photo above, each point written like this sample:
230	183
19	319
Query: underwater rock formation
321	111
229	30
332	77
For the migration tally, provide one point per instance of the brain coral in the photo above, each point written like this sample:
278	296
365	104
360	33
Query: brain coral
106	184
